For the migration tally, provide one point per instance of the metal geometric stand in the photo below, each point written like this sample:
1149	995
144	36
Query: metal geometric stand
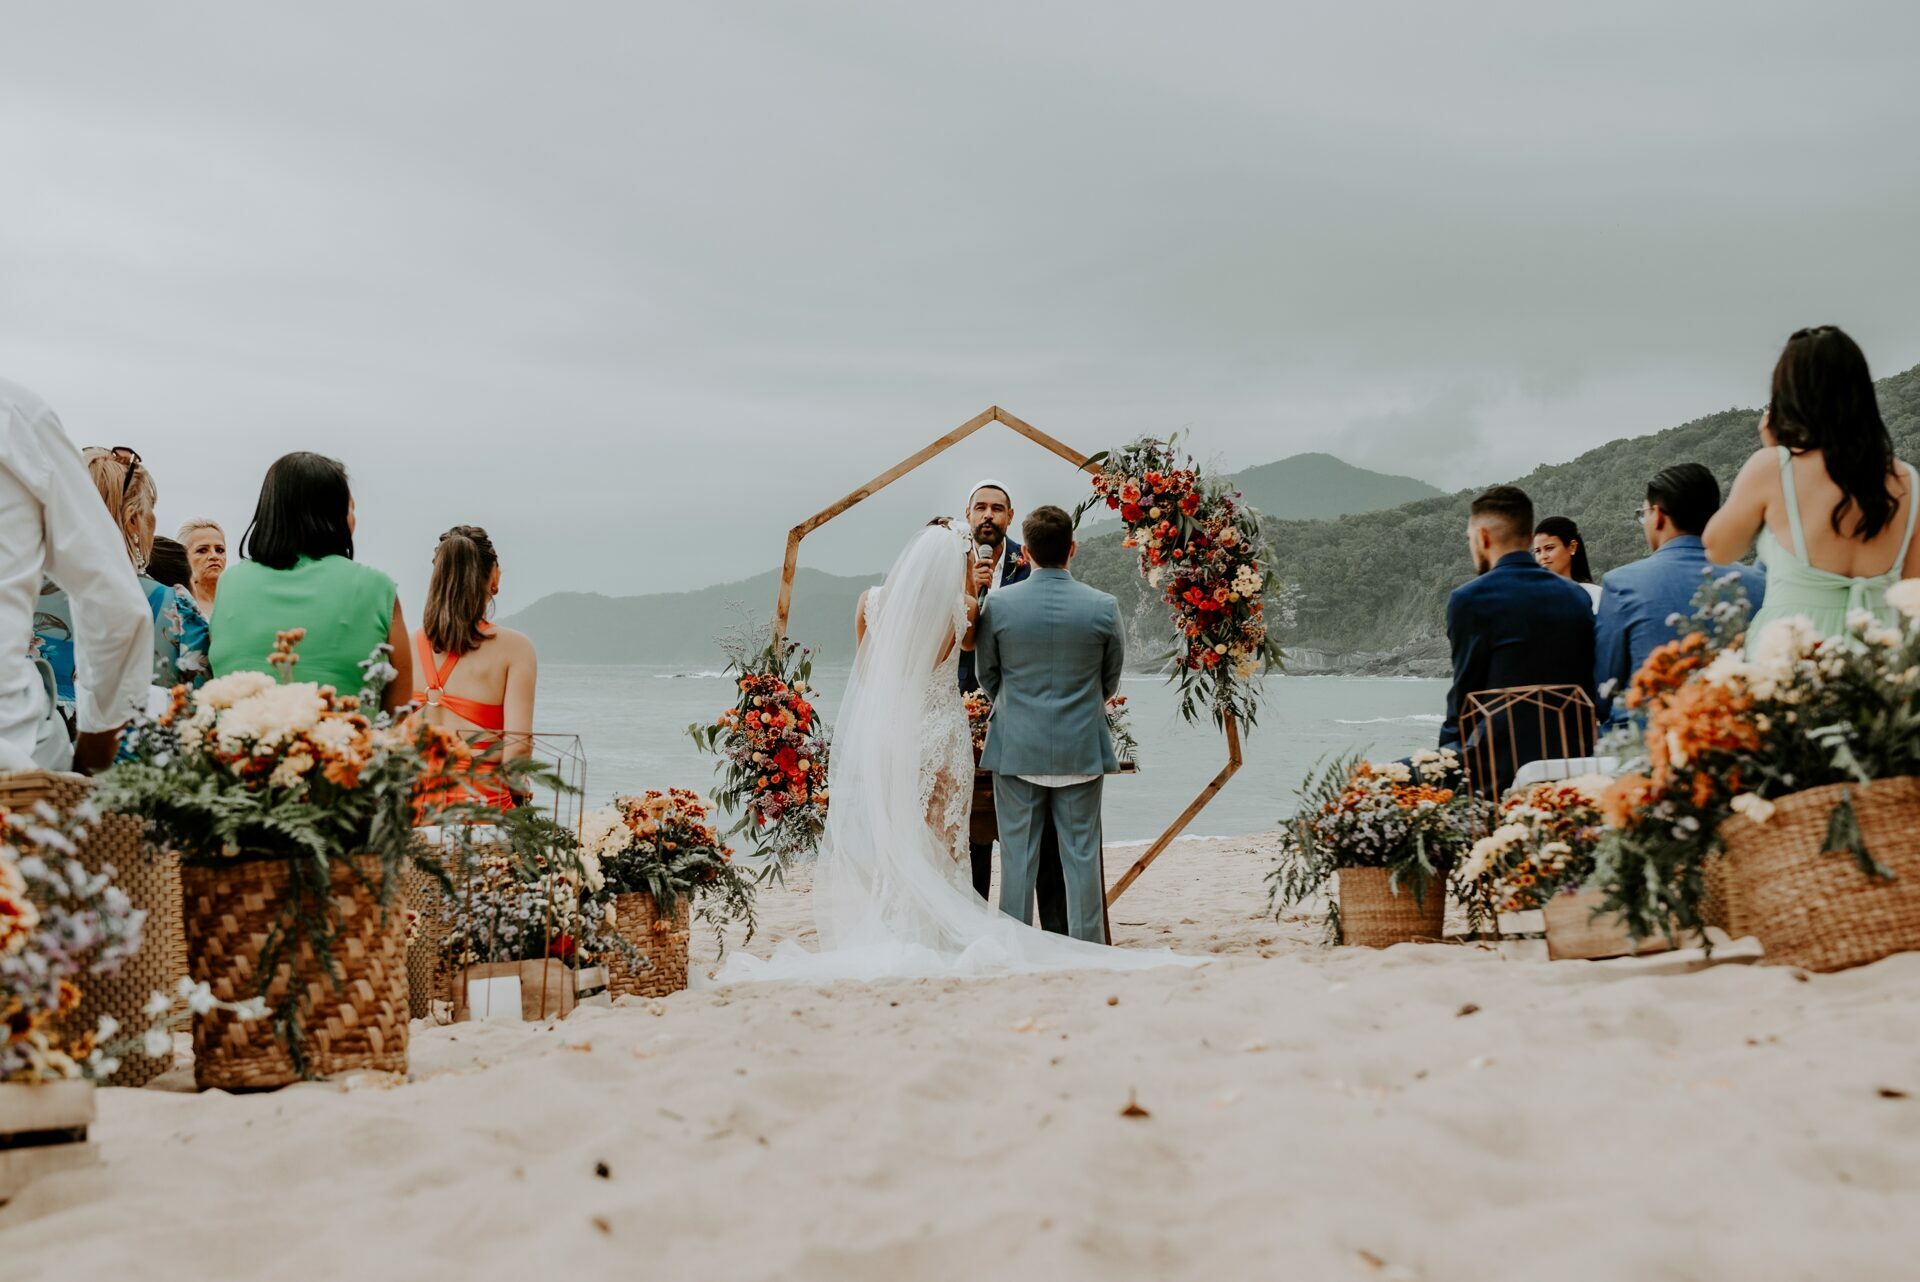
993	414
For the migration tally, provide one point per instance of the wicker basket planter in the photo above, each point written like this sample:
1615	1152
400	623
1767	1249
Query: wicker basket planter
359	1025
151	881
662	941
546	988
1574	933
1373	915
1815	908
43	1129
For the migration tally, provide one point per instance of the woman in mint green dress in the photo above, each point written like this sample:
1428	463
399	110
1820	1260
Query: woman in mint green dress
297	571
1832	508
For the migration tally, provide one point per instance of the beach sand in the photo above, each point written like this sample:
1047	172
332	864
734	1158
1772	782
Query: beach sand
1427	1112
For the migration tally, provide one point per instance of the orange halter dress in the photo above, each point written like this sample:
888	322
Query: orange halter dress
446	791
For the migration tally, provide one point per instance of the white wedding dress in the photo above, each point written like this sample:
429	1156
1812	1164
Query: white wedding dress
892	889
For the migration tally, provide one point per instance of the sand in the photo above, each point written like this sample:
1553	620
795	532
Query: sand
1431	1112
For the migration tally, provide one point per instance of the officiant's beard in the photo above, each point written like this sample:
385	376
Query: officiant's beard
990	534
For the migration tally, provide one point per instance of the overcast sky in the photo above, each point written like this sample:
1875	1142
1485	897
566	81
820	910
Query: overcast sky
638	286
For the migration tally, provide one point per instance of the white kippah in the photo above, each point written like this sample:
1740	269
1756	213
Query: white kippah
987	485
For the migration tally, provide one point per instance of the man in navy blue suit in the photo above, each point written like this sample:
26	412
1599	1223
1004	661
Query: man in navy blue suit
1002	564
1516	624
1639	601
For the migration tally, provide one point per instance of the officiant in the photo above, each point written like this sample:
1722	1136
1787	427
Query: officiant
1000	562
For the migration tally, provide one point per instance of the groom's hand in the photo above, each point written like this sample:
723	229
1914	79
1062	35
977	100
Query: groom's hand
980	578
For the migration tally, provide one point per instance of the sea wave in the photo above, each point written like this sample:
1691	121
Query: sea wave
690	676
1417	718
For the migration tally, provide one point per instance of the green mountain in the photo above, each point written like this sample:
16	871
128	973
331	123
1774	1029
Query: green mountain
1317	487
1378	581
681	627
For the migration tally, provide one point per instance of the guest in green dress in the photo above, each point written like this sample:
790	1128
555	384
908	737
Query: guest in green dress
297	571
127	487
1832	507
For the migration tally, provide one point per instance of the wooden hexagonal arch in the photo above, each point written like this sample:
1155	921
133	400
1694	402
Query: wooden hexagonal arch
994	414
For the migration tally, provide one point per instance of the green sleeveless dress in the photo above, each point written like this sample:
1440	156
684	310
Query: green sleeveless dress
346	608
1794	587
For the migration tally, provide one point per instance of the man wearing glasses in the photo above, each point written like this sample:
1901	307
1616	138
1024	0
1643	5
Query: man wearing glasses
1645	604
53	525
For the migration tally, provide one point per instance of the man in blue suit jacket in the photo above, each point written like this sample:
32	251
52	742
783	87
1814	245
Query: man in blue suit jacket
1517	624
1639	602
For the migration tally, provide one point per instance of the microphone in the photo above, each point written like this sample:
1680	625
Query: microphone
983	553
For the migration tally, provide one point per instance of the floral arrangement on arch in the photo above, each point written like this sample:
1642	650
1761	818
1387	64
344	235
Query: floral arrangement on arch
256	766
1543	846
773	747
1410	819
1728	723
664	845
1202	549
59	926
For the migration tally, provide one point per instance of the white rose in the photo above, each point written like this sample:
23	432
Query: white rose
1904	596
1753	806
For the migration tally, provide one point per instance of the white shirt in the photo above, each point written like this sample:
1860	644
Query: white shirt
53	524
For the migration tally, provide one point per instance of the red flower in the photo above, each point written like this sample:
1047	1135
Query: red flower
1190	504
1132	512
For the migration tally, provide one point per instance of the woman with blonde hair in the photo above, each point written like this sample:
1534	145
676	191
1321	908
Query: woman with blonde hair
206	545
477	678
179	632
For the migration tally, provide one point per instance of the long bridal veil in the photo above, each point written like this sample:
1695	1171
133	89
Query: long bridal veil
882	903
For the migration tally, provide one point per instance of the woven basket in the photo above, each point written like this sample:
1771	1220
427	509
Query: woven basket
359	1025
1374	916
429	975
1814	908
1716	898
662	941
151	880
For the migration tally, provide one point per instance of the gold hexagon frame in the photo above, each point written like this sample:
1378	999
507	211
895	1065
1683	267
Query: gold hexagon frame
994	414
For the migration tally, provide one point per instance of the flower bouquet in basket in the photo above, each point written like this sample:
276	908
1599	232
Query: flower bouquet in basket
526	902
61	927
1540	856
1798	756
661	857
772	747
1202	550
292	811
1390	834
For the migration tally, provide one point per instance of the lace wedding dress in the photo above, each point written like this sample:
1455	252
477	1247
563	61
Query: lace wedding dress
946	750
892	889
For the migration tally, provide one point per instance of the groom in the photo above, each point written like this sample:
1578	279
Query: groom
1049	651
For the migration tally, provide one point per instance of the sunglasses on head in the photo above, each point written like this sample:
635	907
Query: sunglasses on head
129	458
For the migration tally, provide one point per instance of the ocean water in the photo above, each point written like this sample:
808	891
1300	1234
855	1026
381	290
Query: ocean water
632	720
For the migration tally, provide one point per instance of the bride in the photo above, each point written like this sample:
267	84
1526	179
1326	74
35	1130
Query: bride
892	890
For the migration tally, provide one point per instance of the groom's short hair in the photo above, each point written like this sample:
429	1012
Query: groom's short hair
1048	532
1508	509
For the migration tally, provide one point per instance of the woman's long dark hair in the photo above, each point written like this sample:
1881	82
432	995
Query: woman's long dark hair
1823	400
302	512
460	591
1563	528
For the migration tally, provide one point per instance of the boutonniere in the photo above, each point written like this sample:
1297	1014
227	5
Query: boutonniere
1021	561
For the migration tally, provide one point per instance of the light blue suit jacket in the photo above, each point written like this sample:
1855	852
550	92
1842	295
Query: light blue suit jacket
1049	652
1636	601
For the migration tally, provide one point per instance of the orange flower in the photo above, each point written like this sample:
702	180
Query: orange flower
1625	798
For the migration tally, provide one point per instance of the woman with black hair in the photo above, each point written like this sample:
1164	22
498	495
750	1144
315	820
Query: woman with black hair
297	571
1557	546
1832	507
